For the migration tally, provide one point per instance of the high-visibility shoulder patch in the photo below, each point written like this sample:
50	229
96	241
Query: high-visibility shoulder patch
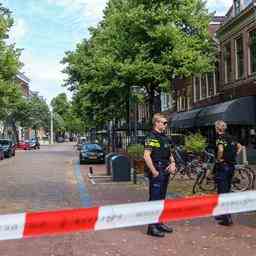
152	143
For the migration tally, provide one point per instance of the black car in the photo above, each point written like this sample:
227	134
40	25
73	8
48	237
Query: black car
8	147
92	153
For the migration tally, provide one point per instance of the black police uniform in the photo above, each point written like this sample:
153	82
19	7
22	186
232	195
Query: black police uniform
159	145
224	171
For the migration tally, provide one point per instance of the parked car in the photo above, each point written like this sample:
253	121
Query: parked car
1	153
91	153
8	147
33	144
60	139
23	145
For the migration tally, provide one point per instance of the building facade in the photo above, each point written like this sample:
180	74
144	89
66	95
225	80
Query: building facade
229	92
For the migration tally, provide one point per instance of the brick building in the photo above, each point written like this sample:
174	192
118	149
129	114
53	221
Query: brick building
228	93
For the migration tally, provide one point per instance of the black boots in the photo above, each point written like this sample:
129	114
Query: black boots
154	231
224	220
164	228
158	230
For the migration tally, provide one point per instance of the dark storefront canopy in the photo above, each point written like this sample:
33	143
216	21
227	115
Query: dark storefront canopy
185	119
239	111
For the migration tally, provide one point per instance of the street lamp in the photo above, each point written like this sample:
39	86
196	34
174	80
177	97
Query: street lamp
135	90
51	112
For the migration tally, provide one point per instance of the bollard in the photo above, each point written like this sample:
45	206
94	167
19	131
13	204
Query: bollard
244	156
134	172
91	170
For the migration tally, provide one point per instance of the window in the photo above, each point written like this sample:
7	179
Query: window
197	89
203	86
227	63
239	58
210	78
252	50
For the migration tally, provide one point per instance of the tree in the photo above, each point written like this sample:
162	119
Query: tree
142	43
37	114
65	118
11	100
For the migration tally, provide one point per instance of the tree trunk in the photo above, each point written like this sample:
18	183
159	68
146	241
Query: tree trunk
15	130
151	103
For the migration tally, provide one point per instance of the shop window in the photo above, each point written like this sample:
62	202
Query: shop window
253	51
239	58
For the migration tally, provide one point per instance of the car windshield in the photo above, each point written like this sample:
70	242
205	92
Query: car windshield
4	142
91	147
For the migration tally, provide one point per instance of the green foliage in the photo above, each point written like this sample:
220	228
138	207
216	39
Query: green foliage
9	56
65	118
195	143
37	113
142	43
135	150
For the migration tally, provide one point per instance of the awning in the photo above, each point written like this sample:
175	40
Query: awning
185	119
239	111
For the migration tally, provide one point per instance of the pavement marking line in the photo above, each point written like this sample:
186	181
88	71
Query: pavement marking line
84	194
123	215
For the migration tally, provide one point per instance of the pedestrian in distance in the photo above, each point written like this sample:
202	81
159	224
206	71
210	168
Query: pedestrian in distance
226	150
160	163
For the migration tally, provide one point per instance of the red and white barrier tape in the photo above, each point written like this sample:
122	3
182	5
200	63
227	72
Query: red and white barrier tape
16	226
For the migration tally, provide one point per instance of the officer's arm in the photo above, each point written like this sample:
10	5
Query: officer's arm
149	163
239	148
220	153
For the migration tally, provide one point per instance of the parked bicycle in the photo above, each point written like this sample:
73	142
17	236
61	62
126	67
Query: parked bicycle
187	164
243	179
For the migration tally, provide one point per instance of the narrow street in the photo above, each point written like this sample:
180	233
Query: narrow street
47	180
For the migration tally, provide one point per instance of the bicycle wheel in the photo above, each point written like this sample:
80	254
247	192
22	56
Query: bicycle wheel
196	187
193	169
242	180
207	182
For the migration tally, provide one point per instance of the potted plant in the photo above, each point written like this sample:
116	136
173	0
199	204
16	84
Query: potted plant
136	152
195	143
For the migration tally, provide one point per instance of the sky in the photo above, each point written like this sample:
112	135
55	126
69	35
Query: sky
46	29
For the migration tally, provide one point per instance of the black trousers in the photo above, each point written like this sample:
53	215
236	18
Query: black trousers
158	185
223	178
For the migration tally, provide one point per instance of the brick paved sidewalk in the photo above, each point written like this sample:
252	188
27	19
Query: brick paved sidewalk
196	237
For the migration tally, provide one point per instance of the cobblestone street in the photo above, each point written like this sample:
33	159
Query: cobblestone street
47	180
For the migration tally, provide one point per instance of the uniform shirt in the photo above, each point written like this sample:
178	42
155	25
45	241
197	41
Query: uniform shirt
230	147
159	145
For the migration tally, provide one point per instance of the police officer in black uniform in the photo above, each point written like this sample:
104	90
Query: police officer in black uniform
159	163
226	151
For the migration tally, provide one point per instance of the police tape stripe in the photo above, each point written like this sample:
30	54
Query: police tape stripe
12	226
16	226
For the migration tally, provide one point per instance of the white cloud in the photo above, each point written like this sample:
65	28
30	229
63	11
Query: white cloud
18	31
45	75
91	11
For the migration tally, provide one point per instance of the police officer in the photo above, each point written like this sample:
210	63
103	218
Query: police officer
160	163
226	151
